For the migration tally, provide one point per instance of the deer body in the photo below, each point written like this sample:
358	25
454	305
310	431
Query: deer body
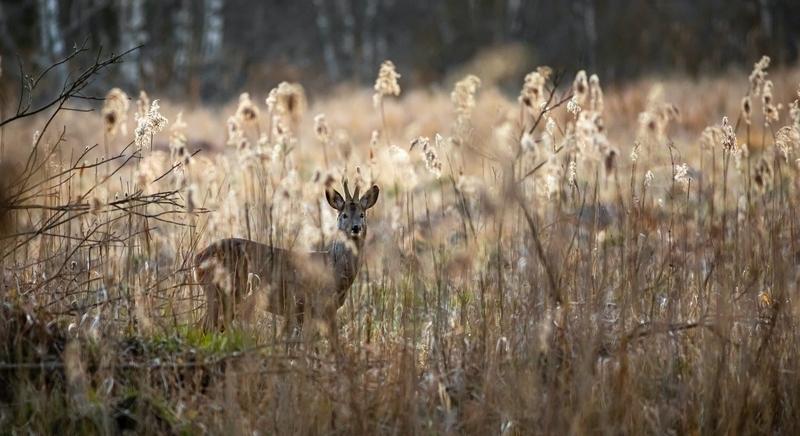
296	283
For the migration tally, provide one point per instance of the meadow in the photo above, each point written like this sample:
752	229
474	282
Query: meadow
560	260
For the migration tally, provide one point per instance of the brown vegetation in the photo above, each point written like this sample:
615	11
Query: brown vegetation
571	261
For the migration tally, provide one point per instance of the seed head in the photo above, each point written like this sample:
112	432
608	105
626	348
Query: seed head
148	125
386	83
682	174
272	100
580	88
463	98
728	136
235	132
648	178
532	94
787	139
463	95
635	152
572	173
762	175
573	106
432	162
758	75
767	105
247	111
595	94
747	109
794	112
657	116
321	128
287	100
115	112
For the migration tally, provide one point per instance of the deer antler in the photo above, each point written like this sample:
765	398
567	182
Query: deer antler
355	193
347	195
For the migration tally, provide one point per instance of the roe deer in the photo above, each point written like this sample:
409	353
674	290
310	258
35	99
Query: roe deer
313	283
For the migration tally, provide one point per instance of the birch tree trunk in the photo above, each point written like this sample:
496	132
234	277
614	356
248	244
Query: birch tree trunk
766	18
211	49
514	17
345	9
328	46
368	62
51	44
132	34
183	40
213	28
590	29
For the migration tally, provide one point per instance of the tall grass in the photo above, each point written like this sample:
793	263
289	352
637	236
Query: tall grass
551	263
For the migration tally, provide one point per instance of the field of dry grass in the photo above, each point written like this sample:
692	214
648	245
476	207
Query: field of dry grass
565	261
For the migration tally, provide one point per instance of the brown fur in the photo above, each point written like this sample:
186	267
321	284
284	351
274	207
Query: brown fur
296	283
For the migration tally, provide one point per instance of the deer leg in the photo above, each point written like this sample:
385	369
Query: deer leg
226	291
230	298
333	331
227	308
212	307
213	295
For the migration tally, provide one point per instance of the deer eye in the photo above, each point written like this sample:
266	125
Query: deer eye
362	215
344	215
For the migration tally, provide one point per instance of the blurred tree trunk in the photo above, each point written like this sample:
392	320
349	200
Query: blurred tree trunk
328	45
51	44
213	32
132	34
183	41
368	38
514	17
766	18
446	31
6	41
590	29
381	24
76	14
345	9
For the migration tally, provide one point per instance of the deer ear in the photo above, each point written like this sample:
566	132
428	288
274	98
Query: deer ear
370	197
334	198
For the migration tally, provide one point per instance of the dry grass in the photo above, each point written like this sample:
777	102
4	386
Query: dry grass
544	283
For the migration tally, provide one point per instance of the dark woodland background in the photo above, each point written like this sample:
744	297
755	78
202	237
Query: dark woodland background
211	49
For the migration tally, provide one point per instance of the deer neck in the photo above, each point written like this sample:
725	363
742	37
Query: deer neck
345	259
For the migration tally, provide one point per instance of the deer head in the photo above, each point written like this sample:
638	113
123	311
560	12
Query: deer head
352	219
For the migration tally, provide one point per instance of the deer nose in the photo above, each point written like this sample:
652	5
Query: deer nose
356	229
